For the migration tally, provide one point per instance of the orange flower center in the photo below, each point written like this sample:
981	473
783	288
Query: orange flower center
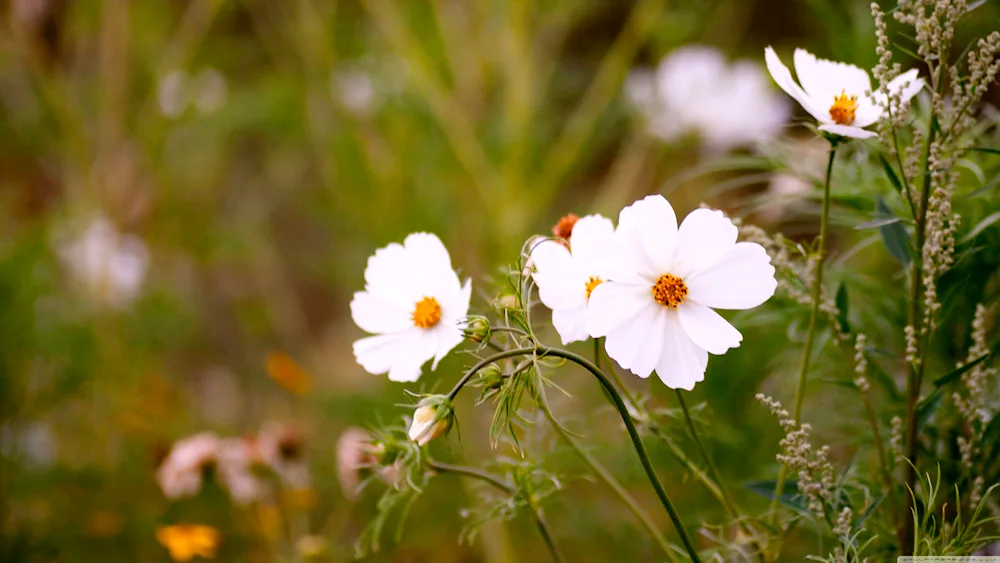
592	283
427	313
669	291
843	108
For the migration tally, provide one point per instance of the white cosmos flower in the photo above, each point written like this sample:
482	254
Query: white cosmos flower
415	304
567	276
656	311
108	265
180	474
696	90
838	95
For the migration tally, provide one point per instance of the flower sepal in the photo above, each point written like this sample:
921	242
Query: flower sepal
477	330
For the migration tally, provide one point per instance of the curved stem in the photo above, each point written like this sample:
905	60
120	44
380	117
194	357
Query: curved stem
616	398
817	300
604	475
636	441
536	512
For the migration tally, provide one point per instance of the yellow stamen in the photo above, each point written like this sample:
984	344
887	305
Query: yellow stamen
669	291
427	313
592	283
843	108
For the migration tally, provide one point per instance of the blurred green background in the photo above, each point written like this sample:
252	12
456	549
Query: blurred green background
262	150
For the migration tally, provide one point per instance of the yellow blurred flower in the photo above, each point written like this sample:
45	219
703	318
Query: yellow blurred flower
285	372
184	541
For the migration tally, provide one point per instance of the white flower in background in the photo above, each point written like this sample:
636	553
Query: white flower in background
181	472
235	470
172	93
209	90
567	276
280	448
837	94
355	90
178	90
108	265
657	310
695	90
34	443
415	304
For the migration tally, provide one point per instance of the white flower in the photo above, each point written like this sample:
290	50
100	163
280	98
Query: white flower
695	90
656	311
280	447
235	471
567	276
108	265
414	302
180	474
838	95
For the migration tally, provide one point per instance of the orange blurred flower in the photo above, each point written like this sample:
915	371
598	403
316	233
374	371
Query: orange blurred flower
184	541
285	372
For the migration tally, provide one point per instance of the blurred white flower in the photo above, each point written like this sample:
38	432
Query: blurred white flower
804	162
355	90
567	276
182	471
280	448
172	93
415	304
209	90
236	457
694	90
33	443
108	265
657	309
837	94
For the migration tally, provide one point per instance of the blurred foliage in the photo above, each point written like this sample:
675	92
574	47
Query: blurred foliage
263	149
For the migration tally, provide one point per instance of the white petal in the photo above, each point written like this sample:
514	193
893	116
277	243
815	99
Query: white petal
613	304
560	284
907	84
592	244
448	336
866	113
376	354
646	235
454	308
682	363
703	238
431	274
783	77
571	324
378	316
708	329
847	131
629	344
823	79
412	353
742	279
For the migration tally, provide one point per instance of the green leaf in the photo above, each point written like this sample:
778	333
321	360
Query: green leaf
890	173
842	306
957	372
927	407
984	149
789	495
895	237
874	223
982	226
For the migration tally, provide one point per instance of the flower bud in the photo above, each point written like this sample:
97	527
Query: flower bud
478	330
431	419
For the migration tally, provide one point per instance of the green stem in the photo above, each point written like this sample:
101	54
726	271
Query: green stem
604	475
536	511
616	398
727	501
817	300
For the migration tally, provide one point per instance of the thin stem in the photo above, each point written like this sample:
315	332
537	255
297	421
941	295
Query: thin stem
636	441
882	460
727	501
604	475
817	299
616	398
536	512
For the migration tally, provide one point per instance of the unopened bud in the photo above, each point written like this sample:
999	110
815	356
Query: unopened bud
478	330
431	419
